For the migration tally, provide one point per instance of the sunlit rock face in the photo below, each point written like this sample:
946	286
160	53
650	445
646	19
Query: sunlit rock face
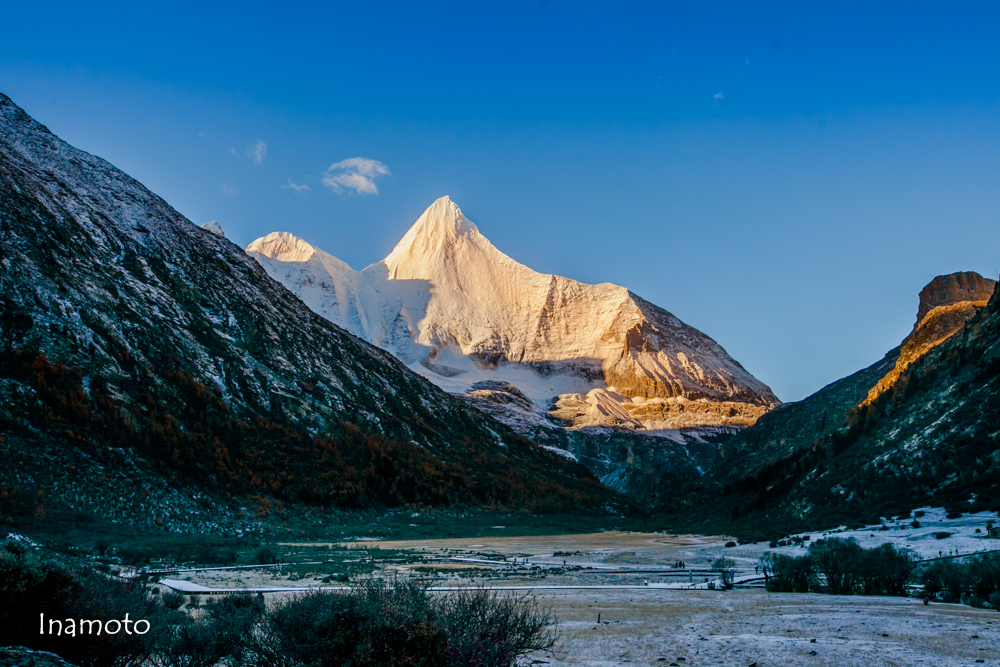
947	303
954	288
460	312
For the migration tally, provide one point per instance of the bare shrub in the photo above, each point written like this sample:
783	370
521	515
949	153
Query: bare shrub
488	628
402	624
172	600
225	633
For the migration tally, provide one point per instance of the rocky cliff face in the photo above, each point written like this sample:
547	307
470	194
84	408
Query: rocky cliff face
126	328
952	289
458	311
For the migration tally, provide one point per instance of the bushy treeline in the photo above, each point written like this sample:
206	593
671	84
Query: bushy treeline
375	624
975	581
843	567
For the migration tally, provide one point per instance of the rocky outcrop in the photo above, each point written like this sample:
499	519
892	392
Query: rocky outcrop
954	288
946	304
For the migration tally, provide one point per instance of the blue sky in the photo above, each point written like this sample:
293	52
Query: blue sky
785	178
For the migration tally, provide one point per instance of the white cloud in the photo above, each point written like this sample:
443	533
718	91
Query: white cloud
356	173
298	187
257	151
227	189
718	96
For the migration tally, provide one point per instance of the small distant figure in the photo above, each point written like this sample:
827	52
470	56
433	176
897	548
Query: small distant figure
756	570
940	554
927	600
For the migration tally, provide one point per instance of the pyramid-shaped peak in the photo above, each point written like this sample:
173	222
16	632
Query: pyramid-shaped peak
282	246
439	226
442	219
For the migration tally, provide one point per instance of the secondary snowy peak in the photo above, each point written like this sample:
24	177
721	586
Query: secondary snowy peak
283	247
459	311
214	227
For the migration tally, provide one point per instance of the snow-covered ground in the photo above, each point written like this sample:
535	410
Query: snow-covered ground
746	627
902	534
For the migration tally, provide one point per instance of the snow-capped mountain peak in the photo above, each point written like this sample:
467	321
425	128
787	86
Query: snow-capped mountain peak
214	227
283	247
433	239
442	222
459	311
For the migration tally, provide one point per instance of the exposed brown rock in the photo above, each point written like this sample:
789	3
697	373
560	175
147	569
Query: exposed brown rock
951	289
946	304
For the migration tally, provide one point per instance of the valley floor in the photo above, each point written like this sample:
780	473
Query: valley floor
743	627
649	592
